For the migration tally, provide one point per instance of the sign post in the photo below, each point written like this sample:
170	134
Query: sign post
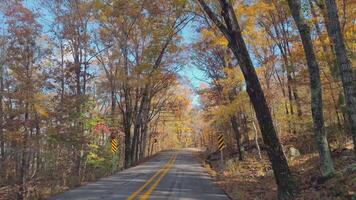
221	146
114	146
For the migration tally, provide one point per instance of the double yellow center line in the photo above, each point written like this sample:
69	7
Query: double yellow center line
160	174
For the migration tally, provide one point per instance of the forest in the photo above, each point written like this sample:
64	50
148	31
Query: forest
277	78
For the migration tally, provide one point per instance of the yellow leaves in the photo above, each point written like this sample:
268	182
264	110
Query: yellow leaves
233	78
104	33
222	113
103	18
207	34
39	106
248	18
41	110
350	37
92	156
210	36
249	13
104	11
98	4
93	146
179	2
221	41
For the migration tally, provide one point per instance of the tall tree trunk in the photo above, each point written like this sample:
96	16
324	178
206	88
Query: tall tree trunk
2	141
127	130
136	134
147	121
137	145
62	73
38	143
294	86
23	166
326	163
345	68
245	128
329	57
78	124
235	127
231	30
143	139
256	140
149	144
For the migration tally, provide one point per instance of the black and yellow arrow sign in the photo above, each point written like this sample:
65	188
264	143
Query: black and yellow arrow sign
221	142
113	145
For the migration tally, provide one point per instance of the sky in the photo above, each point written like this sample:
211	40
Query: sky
189	71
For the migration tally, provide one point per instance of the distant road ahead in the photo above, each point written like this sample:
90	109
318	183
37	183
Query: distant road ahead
170	175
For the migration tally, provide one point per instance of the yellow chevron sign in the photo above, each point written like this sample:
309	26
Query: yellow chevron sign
113	145
221	143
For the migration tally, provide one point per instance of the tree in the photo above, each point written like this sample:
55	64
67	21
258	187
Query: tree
23	50
348	80
326	163
3	47
213	58
144	45
231	30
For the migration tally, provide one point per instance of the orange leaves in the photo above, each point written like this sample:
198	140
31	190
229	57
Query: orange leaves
15	137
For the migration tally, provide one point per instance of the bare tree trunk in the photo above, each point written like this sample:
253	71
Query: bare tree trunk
136	134
23	166
326	163
2	141
345	68
78	124
256	140
62	73
38	143
235	127
232	32
127	130
149	144
143	141
245	128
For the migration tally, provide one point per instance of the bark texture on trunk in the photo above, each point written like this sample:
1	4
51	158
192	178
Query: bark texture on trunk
235	127
326	164
127	131
345	68
2	140
231	30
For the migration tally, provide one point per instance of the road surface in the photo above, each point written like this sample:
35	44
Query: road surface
169	175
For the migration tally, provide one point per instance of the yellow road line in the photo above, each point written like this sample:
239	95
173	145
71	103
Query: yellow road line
154	185
133	195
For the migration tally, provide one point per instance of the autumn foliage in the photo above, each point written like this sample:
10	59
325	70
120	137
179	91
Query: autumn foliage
274	76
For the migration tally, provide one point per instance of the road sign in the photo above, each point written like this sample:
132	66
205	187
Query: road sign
221	142
113	145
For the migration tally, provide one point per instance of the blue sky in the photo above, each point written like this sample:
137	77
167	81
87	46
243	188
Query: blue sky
190	71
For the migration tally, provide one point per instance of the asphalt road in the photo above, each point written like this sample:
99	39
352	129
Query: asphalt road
169	175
